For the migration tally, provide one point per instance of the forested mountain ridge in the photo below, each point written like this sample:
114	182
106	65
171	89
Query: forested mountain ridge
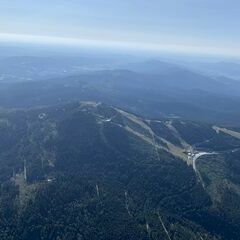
180	93
90	171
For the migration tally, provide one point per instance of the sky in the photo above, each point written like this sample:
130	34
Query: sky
191	26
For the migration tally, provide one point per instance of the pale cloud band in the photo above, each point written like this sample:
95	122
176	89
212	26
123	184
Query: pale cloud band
111	44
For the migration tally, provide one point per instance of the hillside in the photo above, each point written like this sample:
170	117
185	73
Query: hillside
90	171
179	93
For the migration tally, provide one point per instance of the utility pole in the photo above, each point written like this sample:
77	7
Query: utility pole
14	173
97	190
25	170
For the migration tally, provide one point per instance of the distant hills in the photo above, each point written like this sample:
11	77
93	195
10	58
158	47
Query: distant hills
222	68
178	93
30	68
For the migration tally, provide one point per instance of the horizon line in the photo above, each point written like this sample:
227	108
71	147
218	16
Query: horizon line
120	45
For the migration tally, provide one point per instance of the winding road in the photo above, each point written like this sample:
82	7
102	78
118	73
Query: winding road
196	156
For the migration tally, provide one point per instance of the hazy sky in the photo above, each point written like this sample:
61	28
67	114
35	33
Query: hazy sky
201	26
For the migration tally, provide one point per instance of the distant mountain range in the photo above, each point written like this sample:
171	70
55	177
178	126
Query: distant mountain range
168	90
26	68
226	69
